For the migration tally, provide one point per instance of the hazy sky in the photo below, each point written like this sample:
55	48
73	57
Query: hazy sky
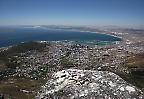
72	12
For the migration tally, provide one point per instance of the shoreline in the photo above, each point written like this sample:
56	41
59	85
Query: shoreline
74	30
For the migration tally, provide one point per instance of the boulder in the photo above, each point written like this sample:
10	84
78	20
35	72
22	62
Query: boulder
87	84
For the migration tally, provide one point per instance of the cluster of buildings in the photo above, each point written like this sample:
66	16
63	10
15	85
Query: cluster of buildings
59	55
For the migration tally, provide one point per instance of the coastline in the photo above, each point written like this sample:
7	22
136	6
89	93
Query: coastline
88	31
103	33
74	30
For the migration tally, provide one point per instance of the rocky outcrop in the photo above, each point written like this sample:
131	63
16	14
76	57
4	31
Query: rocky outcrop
87	84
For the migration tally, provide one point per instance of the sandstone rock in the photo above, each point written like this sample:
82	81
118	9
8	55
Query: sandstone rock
87	84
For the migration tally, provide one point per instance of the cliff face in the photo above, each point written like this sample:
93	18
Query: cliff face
87	84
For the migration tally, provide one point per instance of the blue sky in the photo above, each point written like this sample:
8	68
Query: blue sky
72	12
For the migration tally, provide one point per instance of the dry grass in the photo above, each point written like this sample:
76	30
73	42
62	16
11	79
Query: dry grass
136	66
13	88
137	61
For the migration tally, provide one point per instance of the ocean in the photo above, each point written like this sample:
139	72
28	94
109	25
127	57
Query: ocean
14	36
